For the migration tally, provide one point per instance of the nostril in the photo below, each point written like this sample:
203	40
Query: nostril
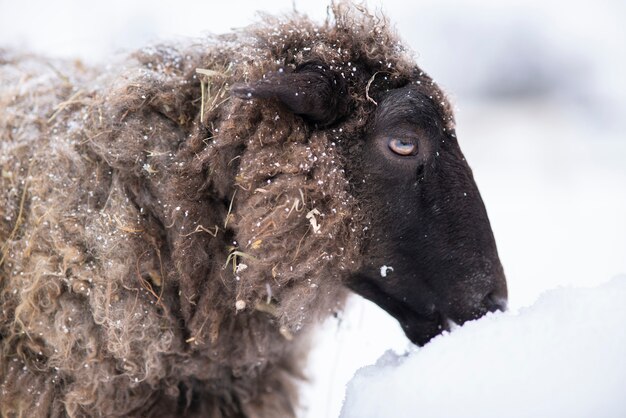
494	302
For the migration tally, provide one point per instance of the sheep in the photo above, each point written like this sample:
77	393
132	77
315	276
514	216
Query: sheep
173	226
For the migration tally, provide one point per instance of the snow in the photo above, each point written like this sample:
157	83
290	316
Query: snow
564	356
540	98
384	270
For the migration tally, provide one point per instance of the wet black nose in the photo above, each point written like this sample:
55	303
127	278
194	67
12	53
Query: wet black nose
495	302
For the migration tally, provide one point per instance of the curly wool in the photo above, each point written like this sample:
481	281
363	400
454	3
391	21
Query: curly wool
165	248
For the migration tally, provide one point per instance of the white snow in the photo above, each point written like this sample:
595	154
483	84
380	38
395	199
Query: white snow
564	356
384	270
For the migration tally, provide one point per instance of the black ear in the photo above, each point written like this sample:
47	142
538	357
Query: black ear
312	90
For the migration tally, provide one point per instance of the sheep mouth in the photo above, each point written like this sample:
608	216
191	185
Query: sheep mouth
420	329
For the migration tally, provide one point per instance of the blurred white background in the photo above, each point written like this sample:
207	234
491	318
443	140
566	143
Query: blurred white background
540	94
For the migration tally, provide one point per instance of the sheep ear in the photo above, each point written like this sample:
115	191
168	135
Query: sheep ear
312	90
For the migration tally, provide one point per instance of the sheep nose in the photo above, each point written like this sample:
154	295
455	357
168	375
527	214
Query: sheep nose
495	302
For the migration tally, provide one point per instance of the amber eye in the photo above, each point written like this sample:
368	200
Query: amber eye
402	147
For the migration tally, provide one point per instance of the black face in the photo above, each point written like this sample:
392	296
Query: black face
431	255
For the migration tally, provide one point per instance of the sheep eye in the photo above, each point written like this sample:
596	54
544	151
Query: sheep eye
402	147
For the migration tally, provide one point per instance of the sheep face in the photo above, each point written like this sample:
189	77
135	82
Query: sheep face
430	257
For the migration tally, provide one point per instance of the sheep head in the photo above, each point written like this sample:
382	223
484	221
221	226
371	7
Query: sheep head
431	256
428	255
